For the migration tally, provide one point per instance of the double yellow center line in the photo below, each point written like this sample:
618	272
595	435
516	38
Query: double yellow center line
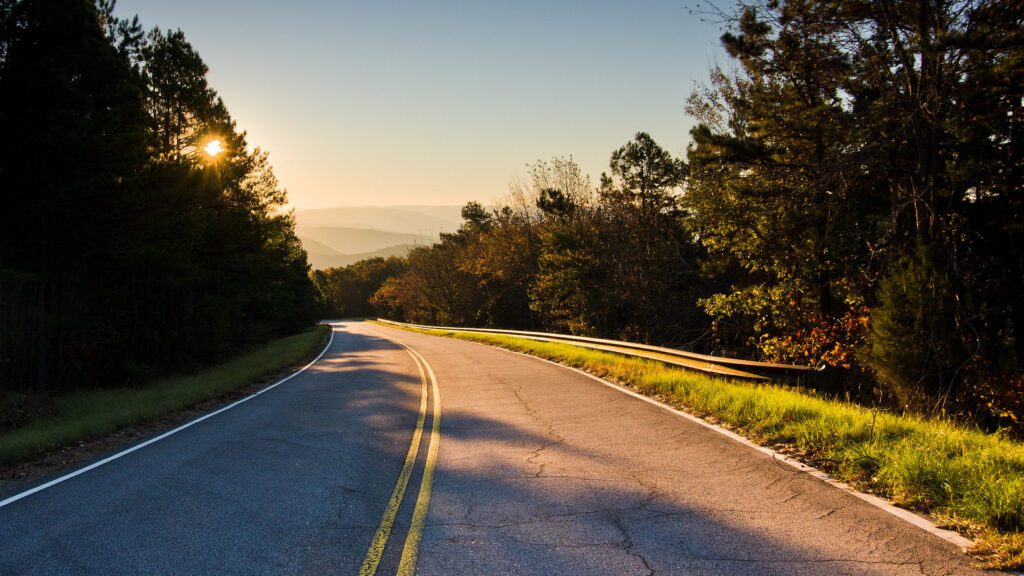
410	551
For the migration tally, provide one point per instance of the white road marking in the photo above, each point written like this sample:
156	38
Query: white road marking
94	465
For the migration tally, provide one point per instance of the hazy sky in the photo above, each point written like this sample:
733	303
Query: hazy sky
441	102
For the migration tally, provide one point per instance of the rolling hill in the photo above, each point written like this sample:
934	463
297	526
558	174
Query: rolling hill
427	221
322	260
343	235
344	240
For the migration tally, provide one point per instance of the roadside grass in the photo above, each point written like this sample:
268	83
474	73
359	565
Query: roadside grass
968	480
92	413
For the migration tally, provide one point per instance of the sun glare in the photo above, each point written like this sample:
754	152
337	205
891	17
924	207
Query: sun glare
213	148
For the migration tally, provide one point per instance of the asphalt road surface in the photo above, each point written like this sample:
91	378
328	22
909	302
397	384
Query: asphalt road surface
528	468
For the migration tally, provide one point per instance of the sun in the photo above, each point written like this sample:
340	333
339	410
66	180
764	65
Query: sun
213	148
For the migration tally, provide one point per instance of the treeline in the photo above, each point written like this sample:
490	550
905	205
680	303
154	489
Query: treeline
852	196
126	250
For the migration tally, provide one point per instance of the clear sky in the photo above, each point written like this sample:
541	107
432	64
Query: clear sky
441	101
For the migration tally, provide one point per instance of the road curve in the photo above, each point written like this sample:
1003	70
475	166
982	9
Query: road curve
290	482
539	470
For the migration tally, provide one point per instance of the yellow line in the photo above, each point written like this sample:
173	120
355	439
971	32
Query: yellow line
380	539
407	565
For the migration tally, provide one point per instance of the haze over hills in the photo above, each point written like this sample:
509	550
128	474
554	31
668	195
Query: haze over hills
343	235
322	256
321	260
344	240
313	247
418	220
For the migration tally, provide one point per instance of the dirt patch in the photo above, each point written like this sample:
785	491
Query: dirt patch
51	463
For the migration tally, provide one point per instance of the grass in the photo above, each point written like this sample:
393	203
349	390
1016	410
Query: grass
93	413
970	481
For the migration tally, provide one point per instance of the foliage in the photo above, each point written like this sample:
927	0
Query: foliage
346	291
433	289
850	136
851	198
561	256
570	291
125	251
913	342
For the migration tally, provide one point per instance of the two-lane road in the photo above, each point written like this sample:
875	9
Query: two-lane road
539	470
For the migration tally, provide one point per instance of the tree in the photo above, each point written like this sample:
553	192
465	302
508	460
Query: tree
347	291
568	293
854	138
73	126
432	289
183	109
914	305
644	175
124	252
774	189
502	259
621	265
652	277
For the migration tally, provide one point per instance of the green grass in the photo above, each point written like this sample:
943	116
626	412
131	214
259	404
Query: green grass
89	414
969	480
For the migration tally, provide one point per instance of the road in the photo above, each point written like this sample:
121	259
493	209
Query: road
533	469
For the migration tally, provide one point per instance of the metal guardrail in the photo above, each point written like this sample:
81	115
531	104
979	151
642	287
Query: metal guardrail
717	365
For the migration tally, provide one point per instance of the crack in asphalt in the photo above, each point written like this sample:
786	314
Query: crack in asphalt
559	439
791	497
830	512
628	546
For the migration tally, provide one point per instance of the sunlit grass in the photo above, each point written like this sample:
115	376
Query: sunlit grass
969	480
89	414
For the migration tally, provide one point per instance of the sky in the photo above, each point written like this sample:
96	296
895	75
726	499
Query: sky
442	101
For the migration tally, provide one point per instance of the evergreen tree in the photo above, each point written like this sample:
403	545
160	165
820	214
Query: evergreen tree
73	132
854	137
125	251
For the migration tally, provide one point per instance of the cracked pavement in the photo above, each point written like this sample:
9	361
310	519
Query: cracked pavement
545	471
541	470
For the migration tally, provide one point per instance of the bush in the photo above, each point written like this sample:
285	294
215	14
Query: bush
914	346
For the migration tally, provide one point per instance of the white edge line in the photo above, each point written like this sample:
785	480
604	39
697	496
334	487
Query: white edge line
906	515
111	458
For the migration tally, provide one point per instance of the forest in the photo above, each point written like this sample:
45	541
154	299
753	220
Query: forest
851	198
139	235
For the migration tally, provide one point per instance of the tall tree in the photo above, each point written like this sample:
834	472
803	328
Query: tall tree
73	130
652	270
849	148
125	251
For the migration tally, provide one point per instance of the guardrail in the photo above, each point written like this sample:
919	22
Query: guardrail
716	365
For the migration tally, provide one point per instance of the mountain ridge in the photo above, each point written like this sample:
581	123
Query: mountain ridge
421	220
342	235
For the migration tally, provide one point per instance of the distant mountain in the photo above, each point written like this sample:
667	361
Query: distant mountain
340	236
343	240
320	260
424	221
313	247
447	213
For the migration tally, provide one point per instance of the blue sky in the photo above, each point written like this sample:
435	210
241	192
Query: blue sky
441	102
